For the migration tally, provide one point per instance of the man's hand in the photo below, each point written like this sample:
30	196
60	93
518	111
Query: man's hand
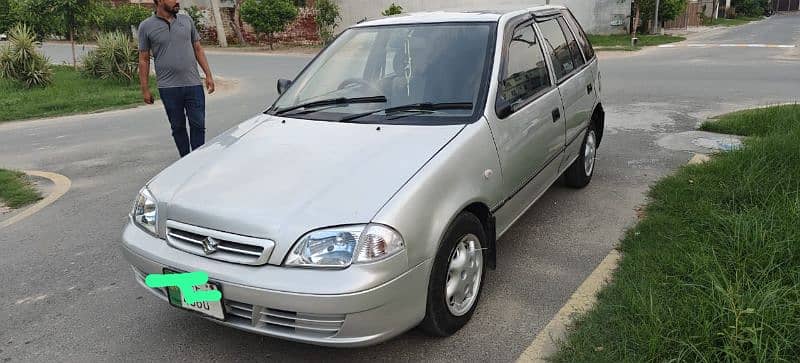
148	98
210	85
144	76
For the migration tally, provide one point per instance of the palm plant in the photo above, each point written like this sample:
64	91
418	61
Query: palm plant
116	57
21	62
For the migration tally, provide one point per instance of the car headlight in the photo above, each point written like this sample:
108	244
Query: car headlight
342	246
145	211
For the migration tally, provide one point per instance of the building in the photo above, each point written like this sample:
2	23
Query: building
596	16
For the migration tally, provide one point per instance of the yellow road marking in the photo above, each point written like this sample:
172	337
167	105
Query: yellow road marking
584	298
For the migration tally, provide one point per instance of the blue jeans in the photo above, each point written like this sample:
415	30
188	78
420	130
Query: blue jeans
182	103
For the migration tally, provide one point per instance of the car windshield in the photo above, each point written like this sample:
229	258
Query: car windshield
441	68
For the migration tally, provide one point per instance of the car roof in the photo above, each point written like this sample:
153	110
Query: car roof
460	15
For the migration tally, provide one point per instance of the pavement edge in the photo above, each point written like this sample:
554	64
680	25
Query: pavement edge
61	186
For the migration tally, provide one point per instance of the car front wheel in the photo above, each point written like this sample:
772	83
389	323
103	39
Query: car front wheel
456	277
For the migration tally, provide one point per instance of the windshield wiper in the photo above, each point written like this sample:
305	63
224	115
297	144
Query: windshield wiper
332	101
424	106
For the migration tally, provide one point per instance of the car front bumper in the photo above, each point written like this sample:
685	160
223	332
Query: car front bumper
352	319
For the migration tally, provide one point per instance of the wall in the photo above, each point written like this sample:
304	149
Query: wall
596	16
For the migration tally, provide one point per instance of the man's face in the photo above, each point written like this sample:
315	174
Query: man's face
171	6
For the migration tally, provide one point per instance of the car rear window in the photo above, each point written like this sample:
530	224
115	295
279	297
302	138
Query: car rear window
588	51
558	48
575	50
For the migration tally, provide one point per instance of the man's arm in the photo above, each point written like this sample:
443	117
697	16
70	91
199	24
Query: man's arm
144	75
200	55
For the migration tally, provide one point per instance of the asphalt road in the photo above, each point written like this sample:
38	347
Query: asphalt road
68	295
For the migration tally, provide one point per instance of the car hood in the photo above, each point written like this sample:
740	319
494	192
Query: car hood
280	178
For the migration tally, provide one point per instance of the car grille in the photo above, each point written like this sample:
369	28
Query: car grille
219	245
270	320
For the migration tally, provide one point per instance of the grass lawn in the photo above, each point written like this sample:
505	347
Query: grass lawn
733	22
712	273
70	93
623	41
15	190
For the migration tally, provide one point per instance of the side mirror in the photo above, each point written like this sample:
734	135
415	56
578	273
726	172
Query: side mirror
283	85
503	109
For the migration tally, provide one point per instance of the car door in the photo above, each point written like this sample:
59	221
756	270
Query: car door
528	124
574	79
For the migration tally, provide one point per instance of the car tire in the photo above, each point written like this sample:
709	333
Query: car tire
580	173
459	264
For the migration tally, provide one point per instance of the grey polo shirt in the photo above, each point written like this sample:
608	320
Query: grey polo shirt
172	50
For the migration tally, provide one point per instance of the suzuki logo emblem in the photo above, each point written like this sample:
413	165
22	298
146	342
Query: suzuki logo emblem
210	245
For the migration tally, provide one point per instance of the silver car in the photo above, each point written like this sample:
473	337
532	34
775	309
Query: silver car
368	199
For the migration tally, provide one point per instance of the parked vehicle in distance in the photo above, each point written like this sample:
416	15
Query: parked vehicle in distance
368	199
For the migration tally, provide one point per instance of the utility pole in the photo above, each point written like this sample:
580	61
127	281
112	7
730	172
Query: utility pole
223	40
655	26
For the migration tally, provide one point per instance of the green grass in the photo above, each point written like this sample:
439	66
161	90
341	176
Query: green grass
70	93
732	22
15	189
623	41
712	273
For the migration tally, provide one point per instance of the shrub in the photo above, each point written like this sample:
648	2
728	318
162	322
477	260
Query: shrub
667	10
120	18
751	8
196	14
393	9
116	57
327	14
21	62
268	16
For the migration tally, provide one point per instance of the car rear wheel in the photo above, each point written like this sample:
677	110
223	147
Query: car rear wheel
456	277
580	172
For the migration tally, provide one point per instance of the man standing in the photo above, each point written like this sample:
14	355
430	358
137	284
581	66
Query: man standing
175	45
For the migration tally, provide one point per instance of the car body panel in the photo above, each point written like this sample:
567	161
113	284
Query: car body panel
454	179
287	177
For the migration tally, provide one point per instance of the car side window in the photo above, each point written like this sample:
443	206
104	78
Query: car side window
588	51
525	73
574	49
557	47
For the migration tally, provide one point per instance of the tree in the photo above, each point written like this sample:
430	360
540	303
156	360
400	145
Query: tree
667	10
237	21
38	16
268	16
120	18
393	9
6	16
76	15
327	14
222	39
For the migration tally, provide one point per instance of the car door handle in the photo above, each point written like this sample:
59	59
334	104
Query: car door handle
589	88
556	115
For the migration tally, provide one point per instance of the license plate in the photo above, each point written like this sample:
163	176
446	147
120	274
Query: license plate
207	308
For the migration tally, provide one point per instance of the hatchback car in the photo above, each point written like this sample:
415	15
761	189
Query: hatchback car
368	199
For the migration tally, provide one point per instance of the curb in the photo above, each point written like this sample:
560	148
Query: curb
582	300
61	186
